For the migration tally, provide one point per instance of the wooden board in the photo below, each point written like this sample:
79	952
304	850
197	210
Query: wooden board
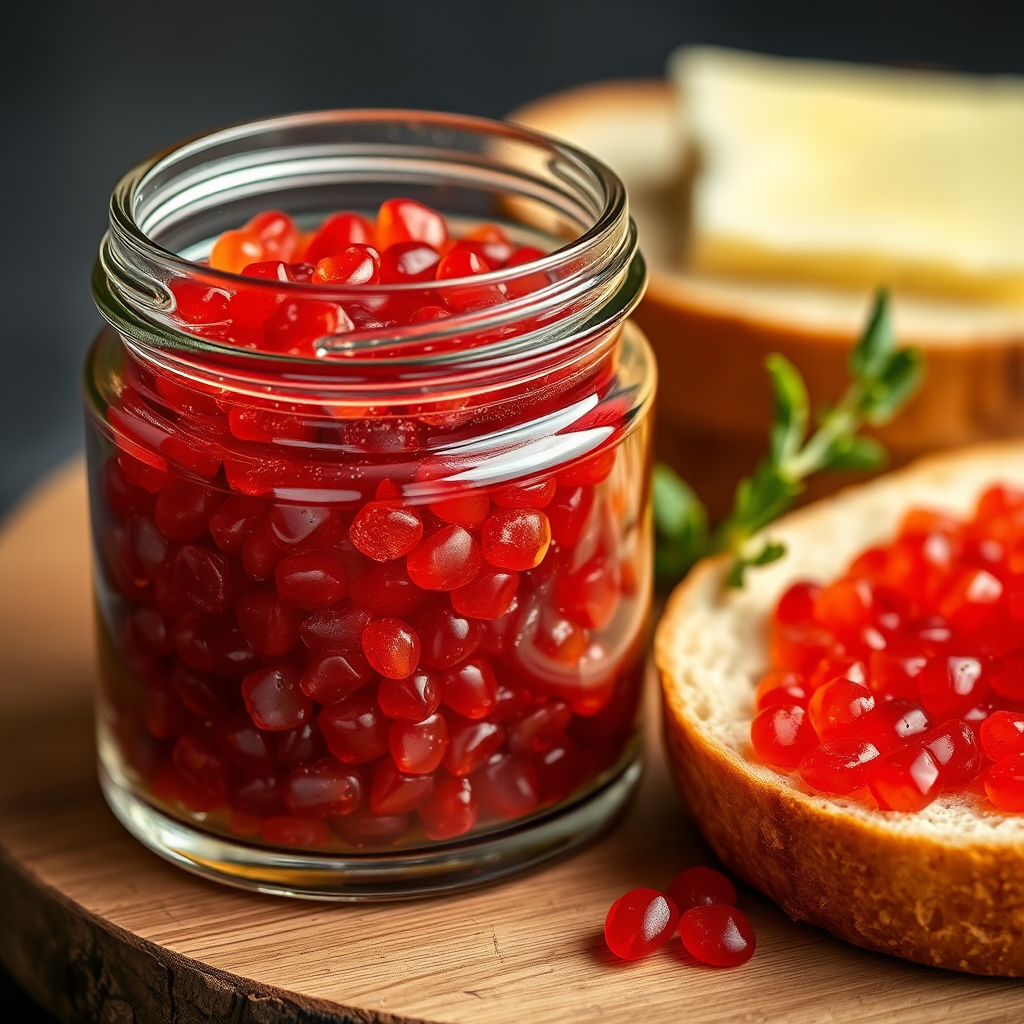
97	928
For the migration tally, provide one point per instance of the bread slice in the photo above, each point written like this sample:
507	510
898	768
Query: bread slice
943	886
711	333
853	173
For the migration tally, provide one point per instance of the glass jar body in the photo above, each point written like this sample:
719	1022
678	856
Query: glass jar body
238	693
363	649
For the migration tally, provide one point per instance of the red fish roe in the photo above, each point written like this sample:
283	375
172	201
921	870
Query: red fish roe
905	779
893	723
489	595
446	559
516	538
838	766
409	243
337	233
1002	734
717	934
450	810
358	264
782	735
955	749
385	530
415	697
910	666
274	698
782	688
643	920
323	789
639	922
1004	783
310	580
391	647
700	886
339	638
837	708
235	250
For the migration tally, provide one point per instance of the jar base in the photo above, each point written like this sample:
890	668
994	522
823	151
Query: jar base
370	876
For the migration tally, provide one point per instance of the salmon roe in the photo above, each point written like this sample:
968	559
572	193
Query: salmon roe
700	902
904	678
307	645
340	262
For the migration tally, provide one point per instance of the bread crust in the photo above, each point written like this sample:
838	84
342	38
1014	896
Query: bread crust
714	357
911	885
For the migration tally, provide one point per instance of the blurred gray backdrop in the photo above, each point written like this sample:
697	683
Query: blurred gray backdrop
90	88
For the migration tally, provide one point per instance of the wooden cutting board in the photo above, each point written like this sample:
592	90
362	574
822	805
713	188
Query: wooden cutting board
97	928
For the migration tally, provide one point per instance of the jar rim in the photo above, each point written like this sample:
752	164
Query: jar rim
596	277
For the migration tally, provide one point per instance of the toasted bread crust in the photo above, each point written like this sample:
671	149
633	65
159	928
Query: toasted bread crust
947	897
714	359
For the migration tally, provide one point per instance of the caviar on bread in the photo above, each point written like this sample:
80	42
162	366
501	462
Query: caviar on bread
913	843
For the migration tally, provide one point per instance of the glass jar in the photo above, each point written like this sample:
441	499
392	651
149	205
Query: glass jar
372	600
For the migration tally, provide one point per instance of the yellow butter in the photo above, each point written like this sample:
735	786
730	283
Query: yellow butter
855	175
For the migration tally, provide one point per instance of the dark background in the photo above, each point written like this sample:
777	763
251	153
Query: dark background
87	89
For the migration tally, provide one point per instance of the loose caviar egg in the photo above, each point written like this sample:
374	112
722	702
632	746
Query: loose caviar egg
639	922
717	934
700	886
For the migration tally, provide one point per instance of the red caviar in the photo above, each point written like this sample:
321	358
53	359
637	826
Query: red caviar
711	928
342	260
639	922
718	934
367	667
700	886
904	678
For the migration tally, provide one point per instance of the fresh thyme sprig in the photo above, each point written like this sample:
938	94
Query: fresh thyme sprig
883	378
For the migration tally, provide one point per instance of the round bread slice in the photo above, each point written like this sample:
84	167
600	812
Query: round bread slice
943	886
711	333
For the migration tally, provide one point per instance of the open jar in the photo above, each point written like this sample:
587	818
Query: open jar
372	601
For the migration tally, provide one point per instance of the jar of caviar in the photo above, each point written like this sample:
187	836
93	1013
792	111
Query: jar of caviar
368	441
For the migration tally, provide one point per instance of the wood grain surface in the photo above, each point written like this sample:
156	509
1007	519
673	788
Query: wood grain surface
99	929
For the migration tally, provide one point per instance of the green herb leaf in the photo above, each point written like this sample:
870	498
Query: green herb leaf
858	453
900	379
872	352
771	552
884	378
791	408
680	522
676	507
737	571
763	497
